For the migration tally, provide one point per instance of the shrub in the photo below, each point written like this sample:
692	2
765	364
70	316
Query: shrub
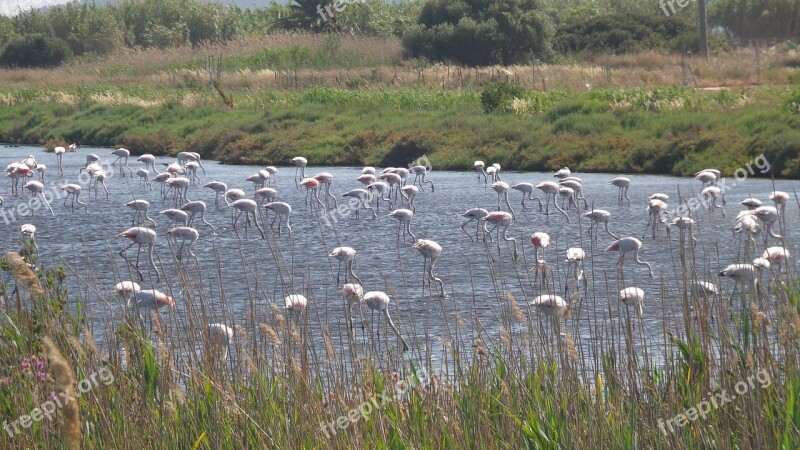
625	32
500	97
35	50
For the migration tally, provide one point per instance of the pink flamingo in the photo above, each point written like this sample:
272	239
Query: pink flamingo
626	245
247	207
363	198
281	209
122	153
74	191
474	214
404	217
348	256
379	301
194	208
499	219
527	192
140	236
430	250
300	164
623	183
550	190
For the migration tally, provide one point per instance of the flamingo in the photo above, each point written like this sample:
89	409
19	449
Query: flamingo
625	245
501	187
747	225
379	301
295	303
127	290
683	223
353	294
598	216
768	215
300	164
659	196
380	187
368	170
404	217
30	161
575	257
552	305
430	250
550	190
633	295
143	175
622	183
191	170
327	179
41	169
751	203
272	170
28	233
220	336
161	179
540	240
266	194
577	189
197	207
776	255
256	179
185	157
153	299
312	193
91	158
655	211
563	173
362	197
74	191
219	188
409	192
713	193
180	186
496	168
140	236
72	147
419	175
567	194
176	216
149	162
527	192
232	195
59	151
247	207
479	165
280	209
366	179
36	187
474	214
175	169
706	177
122	153
348	255
499	219
403	173
140	208
100	178
780	198
394	181
744	274
187	235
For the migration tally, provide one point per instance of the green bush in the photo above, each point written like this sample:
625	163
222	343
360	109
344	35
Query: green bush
480	32
35	50
498	97
624	32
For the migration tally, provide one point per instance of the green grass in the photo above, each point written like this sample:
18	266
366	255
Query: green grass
661	130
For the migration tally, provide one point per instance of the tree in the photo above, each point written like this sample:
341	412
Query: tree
35	50
310	15
480	32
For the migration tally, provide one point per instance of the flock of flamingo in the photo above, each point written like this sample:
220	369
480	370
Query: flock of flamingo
395	187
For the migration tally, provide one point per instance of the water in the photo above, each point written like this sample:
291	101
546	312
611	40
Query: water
87	244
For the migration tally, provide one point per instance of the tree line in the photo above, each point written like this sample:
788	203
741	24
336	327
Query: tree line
469	32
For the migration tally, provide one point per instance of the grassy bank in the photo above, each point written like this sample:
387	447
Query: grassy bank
653	130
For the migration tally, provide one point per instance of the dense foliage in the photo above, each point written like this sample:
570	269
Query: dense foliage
623	32
480	32
34	50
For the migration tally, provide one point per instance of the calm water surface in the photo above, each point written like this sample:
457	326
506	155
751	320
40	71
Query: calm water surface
239	275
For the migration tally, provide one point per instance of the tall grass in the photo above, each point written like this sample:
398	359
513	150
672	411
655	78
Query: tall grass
504	377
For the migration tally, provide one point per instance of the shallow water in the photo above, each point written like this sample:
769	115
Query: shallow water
86	242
